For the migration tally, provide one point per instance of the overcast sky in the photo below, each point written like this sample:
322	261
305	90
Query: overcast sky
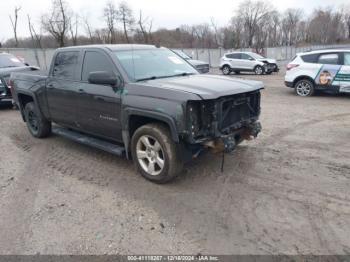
165	13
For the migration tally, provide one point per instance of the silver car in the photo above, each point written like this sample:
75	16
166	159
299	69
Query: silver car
247	62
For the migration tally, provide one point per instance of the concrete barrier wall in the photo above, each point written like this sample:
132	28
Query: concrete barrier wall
42	57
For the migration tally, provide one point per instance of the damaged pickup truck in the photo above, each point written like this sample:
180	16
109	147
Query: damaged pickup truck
141	101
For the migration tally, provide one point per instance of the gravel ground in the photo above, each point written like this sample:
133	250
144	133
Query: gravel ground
285	192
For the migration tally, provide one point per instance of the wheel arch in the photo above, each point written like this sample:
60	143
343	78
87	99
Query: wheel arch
134	118
23	100
226	64
296	80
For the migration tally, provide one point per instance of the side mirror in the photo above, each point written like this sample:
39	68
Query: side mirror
104	78
251	59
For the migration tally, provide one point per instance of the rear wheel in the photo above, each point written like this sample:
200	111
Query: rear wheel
37	125
304	88
226	70
155	155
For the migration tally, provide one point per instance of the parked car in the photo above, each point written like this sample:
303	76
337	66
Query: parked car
201	66
320	70
247	62
140	99
8	64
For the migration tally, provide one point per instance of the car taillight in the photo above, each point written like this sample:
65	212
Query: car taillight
291	66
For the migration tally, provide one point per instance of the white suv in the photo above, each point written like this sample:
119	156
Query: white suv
247	61
325	70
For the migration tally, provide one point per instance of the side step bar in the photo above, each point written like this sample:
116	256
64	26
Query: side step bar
89	141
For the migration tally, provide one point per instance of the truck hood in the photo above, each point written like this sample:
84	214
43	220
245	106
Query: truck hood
206	86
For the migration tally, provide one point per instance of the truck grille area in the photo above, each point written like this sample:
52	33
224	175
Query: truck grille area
236	111
223	116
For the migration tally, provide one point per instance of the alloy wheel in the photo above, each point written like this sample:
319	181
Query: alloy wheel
303	88
150	155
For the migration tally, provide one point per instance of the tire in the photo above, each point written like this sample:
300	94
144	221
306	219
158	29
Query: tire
304	88
226	70
269	73
161	153
259	70
37	125
237	72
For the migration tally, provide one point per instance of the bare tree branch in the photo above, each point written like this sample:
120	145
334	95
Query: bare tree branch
14	22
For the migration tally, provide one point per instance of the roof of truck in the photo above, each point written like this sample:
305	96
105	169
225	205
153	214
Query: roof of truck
117	47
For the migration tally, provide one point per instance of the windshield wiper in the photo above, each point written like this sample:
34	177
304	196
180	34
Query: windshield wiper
158	77
147	78
182	74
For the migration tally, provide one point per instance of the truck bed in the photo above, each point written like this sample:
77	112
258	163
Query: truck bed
31	76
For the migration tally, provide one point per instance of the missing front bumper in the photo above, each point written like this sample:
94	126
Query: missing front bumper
228	143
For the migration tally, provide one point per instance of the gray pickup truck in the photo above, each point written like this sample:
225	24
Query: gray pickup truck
141	101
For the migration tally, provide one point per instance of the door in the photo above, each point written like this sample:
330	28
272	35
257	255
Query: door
247	61
62	88
99	105
330	67
234	60
344	75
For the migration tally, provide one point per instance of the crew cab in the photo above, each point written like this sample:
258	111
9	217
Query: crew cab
247	62
326	70
8	64
141	101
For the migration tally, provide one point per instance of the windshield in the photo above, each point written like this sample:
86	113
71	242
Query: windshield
182	54
256	56
153	63
7	60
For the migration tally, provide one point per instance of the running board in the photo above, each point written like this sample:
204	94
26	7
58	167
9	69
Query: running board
89	141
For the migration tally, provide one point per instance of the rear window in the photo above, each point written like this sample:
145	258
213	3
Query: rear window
312	58
66	64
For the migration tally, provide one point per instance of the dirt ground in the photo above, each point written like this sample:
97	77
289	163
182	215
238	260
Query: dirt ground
285	192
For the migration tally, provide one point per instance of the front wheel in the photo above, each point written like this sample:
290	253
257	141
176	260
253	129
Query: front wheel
226	70
37	125
304	88
155	155
259	70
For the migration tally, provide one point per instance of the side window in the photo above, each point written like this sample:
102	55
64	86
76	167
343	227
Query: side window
94	62
66	64
329	59
246	57
310	58
234	56
347	59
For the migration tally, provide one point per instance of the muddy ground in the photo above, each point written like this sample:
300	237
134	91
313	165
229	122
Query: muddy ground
286	192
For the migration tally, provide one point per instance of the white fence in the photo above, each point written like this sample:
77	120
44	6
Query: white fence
42	57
